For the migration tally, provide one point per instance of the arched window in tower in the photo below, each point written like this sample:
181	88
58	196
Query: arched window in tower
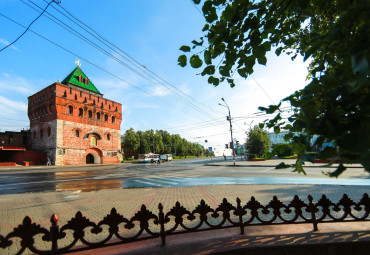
98	116
113	119
70	90
77	133
106	117
70	110
116	109
90	114
93	141
76	97
80	112
49	131
41	133
108	137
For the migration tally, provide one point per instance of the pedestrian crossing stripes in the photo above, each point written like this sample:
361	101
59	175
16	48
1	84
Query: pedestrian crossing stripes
163	181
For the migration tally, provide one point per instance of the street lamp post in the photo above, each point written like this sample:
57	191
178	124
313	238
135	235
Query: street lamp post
231	129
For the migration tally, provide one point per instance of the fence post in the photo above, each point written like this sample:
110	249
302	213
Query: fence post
312	207
239	210
162	233
54	233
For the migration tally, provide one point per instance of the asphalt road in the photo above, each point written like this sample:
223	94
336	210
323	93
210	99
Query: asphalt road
179	173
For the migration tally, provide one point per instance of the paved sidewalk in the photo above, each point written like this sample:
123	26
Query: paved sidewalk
274	162
96	205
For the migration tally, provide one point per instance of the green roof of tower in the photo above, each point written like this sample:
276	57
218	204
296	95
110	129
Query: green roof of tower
72	78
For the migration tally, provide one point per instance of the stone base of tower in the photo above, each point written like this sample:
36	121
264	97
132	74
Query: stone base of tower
89	156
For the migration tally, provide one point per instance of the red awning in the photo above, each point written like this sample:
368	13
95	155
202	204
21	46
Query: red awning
2	148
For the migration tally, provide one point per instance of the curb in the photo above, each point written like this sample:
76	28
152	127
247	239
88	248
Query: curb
320	166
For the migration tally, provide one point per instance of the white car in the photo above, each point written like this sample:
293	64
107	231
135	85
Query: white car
166	157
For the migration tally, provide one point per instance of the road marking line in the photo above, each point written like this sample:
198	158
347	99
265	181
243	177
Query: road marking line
159	180
149	183
268	169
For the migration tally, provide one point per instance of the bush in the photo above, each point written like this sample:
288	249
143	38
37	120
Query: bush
284	150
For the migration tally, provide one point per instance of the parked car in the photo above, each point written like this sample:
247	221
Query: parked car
166	157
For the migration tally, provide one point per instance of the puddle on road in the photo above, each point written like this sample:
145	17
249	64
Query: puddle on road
199	181
89	184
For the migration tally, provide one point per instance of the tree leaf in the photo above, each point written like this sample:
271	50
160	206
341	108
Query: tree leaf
206	27
208	70
207	57
213	80
195	61
328	152
262	60
340	169
196	43
182	60
224	71
185	48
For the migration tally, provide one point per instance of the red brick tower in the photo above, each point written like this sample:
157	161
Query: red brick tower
74	124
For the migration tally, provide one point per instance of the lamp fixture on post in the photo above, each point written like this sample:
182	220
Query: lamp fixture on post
231	128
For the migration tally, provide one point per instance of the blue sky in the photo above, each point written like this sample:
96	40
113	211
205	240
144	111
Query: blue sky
150	32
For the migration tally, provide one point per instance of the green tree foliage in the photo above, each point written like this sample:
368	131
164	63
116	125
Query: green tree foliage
333	35
283	149
131	139
258	142
164	143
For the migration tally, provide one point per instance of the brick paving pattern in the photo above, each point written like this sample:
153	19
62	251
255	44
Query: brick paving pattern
96	205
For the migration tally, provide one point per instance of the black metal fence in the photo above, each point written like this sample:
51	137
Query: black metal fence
116	229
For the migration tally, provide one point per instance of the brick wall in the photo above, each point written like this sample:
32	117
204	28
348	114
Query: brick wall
15	139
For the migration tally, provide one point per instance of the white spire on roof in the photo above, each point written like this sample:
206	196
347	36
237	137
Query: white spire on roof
78	62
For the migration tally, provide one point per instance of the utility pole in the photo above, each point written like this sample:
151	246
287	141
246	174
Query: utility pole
153	146
231	129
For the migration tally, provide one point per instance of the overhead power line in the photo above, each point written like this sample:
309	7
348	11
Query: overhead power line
91	63
220	122
19	37
142	68
196	7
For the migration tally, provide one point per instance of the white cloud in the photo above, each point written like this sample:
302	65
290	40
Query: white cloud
17	84
12	106
5	42
145	106
159	91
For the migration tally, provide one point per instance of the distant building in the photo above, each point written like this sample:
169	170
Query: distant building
277	138
15	147
10	140
74	124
